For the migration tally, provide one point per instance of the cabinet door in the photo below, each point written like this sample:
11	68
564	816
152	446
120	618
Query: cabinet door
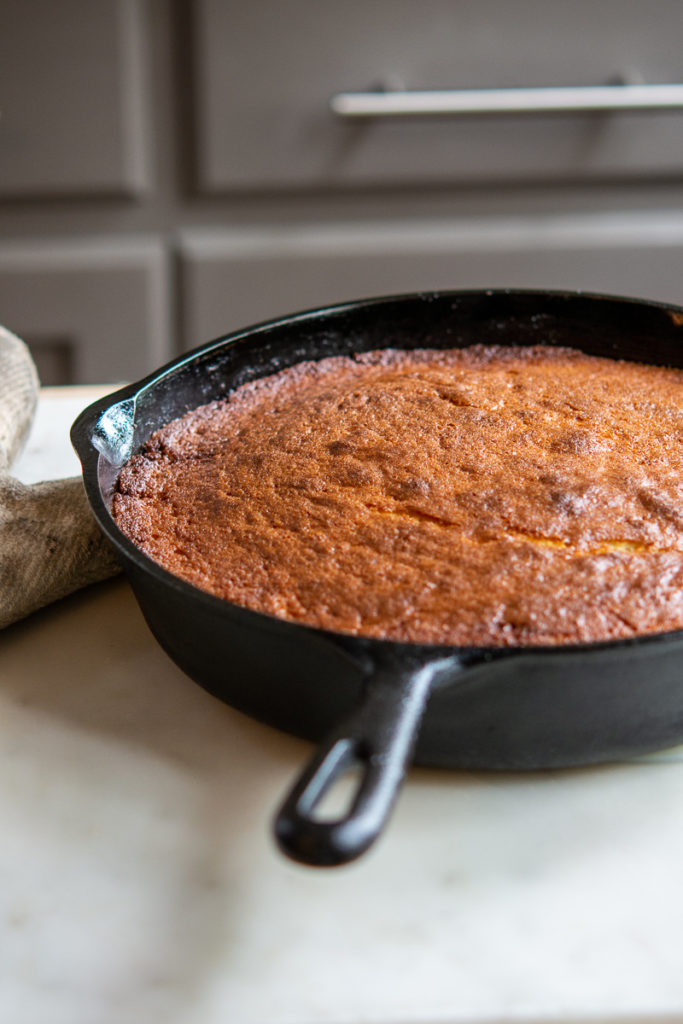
90	314
266	73
233	279
71	98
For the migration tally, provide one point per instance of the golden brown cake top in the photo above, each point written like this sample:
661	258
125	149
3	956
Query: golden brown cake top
483	496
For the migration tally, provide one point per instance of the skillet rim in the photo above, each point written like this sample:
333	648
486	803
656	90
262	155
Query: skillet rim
89	456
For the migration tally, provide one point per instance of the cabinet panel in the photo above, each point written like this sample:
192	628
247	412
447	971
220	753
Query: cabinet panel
90	313
266	73
231	280
71	98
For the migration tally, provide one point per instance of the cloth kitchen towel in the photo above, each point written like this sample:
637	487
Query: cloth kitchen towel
50	544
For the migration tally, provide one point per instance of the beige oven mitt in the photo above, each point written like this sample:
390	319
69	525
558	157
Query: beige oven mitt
50	544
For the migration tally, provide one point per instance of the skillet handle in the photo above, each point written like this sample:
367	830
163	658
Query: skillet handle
377	738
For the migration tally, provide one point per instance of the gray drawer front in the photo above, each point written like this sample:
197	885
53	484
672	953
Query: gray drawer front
266	72
91	313
233	279
71	98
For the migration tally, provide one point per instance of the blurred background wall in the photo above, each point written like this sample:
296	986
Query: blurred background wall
171	170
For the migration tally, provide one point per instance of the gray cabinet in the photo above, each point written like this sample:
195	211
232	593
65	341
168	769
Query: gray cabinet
90	312
170	171
266	73
233	279
71	98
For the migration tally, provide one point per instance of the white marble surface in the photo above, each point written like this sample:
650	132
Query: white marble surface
140	883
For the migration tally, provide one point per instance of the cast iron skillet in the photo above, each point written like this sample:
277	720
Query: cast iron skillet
378	702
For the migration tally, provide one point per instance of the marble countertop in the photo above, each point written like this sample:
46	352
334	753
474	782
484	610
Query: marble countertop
140	882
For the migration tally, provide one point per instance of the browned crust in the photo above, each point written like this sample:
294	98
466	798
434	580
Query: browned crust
488	496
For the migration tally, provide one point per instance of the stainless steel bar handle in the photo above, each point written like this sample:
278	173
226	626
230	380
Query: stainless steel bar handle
468	102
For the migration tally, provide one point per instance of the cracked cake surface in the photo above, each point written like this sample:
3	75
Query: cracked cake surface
482	496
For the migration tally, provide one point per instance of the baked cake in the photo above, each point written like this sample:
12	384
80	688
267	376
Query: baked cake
483	496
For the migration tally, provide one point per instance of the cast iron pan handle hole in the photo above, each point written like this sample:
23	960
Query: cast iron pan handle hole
311	827
335	800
